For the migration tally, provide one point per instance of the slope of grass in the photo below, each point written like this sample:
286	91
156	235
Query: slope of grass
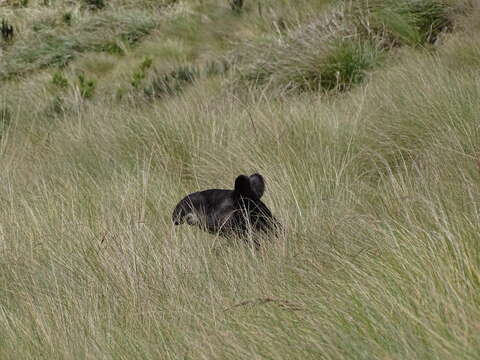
53	47
377	188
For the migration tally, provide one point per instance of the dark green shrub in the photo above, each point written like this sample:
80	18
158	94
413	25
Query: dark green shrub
342	64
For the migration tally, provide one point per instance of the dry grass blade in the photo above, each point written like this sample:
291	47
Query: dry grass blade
284	304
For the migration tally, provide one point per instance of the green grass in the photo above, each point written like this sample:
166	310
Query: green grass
47	46
376	185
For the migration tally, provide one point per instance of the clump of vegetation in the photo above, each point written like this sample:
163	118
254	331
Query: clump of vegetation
141	72
56	107
403	22
86	86
67	18
325	65
345	65
59	80
236	5
6	30
173	82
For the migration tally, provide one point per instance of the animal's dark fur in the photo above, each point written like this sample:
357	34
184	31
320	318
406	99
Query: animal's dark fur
228	212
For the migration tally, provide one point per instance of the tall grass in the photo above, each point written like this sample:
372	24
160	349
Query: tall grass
377	189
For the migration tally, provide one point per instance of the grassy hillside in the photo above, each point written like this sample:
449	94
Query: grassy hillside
363	118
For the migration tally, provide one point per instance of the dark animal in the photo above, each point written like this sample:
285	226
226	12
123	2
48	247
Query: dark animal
6	30
228	212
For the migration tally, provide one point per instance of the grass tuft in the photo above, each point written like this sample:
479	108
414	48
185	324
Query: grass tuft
345	65
59	80
86	86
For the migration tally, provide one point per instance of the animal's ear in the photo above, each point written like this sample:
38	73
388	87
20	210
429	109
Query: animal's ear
243	187
257	184
251	187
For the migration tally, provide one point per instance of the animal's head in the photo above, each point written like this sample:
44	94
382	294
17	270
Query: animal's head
249	187
227	211
187	210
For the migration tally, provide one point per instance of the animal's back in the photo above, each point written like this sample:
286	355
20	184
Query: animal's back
226	212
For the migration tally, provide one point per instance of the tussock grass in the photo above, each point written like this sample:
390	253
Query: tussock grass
339	49
377	189
327	64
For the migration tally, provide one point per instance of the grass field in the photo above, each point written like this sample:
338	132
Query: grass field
362	116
